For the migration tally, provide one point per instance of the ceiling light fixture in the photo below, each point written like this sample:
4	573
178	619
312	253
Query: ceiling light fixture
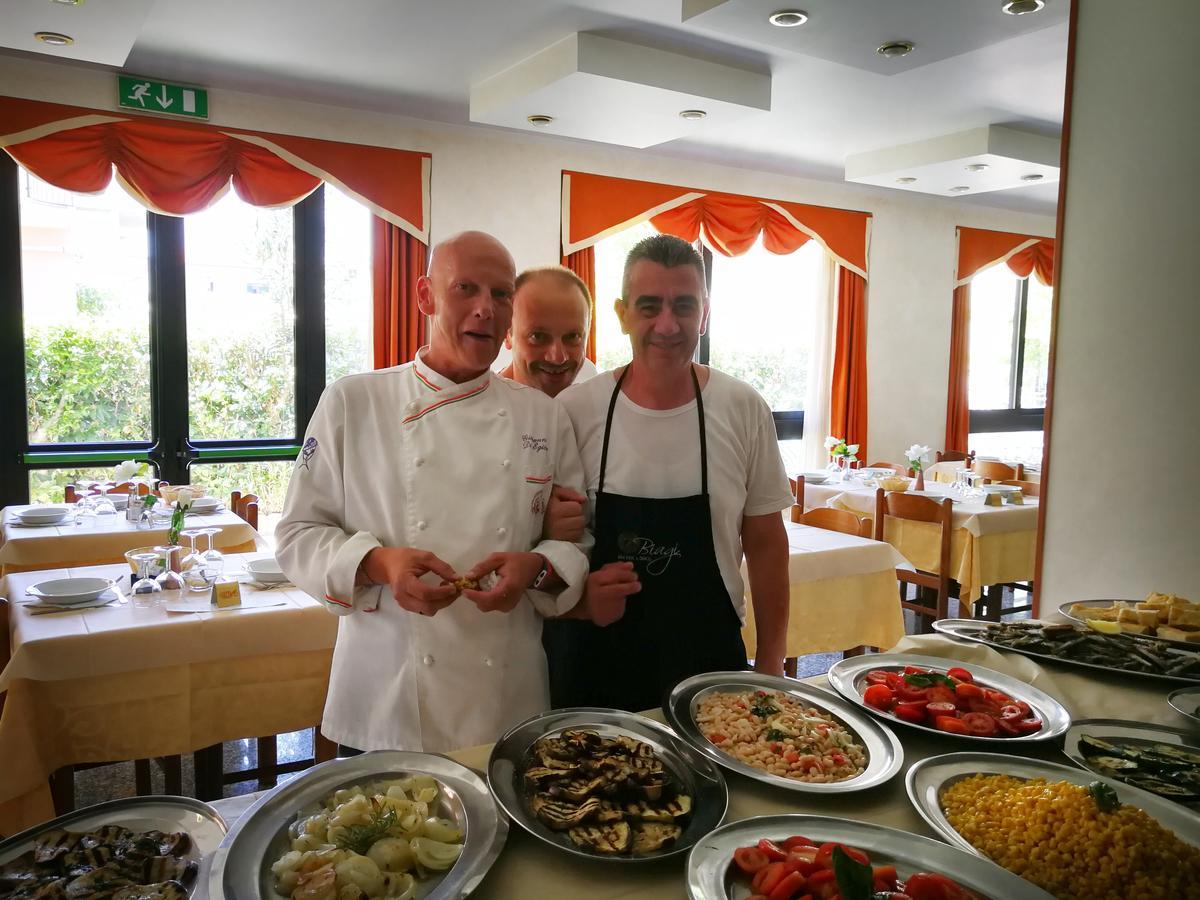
959	189
977	167
539	121
68	2
1032	178
895	49
788	18
692	114
1022	7
907	179
54	39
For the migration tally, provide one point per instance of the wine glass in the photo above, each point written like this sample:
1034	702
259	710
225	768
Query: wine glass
102	504
85	510
212	559
145	590
195	574
169	579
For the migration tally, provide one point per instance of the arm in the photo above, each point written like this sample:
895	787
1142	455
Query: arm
764	541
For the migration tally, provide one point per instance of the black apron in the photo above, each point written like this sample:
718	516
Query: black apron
681	623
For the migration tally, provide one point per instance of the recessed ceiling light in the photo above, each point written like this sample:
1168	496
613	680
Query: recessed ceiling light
788	18
539	121
692	114
907	179
68	2
1033	177
54	39
959	189
976	167
1021	7
895	49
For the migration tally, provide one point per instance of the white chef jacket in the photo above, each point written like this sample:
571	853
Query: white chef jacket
404	457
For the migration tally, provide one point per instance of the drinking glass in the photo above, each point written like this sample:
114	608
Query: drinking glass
145	590
195	574
102	504
169	579
212	559
85	510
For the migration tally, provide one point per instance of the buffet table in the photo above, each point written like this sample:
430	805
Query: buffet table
123	683
842	590
104	539
529	868
990	544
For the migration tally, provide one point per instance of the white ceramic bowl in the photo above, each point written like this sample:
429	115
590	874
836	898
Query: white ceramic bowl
40	515
266	570
71	590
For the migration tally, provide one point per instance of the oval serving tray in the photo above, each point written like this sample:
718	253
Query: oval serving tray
241	868
1186	702
698	775
710	875
1125	733
848	676
927	780
975	630
1065	609
885	756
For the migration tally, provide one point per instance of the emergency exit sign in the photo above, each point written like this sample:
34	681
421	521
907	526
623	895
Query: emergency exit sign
162	97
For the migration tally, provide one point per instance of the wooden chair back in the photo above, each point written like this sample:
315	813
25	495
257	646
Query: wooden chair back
898	469
933	586
71	493
245	506
992	470
1028	488
840	520
955	456
797	485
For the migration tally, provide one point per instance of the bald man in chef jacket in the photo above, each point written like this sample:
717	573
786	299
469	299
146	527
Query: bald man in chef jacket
415	513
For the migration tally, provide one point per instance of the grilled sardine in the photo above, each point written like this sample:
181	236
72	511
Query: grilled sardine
607	839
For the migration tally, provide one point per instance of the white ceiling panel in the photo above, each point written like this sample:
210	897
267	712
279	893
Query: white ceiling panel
104	31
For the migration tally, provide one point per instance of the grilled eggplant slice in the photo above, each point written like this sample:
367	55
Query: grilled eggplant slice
607	839
560	816
102	882
54	844
650	837
537	775
575	790
661	812
1114	764
164	890
610	812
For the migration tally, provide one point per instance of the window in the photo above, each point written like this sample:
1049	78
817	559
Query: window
1008	364
188	342
759	327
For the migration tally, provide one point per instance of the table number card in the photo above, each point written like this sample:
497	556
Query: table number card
226	594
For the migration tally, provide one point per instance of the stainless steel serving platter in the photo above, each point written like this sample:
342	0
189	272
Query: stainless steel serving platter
885	756
241	868
976	630
1065	609
1124	733
710	873
698	775
848	677
928	779
1186	702
201	822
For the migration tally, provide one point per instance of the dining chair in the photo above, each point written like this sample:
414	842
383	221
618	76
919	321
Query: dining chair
840	520
898	469
245	506
71	492
1028	488
993	470
956	456
933	588
797	485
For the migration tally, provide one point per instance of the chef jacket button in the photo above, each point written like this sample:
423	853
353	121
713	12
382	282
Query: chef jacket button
506	463
412	407
428	660
502	531
487	661
502	412
421	525
419	461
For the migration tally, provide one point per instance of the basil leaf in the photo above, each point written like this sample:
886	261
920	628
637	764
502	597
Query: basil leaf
855	880
928	679
1105	797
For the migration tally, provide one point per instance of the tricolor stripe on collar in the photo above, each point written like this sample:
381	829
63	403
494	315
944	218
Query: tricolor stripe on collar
446	401
425	381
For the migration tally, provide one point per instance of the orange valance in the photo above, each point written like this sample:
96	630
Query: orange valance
596	206
177	167
979	249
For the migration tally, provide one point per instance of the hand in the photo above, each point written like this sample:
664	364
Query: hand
515	571
606	589
768	666
401	568
564	518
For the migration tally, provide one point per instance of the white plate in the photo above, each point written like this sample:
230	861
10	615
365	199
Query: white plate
999	488
207	511
42	515
70	590
928	779
266	570
41	607
815	477
205	504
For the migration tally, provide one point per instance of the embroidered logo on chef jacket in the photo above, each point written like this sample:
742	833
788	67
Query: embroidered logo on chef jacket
306	453
655	558
538	506
536	444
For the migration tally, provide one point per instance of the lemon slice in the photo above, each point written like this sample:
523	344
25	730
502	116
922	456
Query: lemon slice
1104	627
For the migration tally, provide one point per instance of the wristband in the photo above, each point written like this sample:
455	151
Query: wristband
544	575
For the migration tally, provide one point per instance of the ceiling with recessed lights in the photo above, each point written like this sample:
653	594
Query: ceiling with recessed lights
832	96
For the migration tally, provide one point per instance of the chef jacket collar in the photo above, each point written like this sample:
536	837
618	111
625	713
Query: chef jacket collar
436	382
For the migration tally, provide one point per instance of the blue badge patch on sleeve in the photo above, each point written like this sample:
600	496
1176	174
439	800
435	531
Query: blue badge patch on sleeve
307	451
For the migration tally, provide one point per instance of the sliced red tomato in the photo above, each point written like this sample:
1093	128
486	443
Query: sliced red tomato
885	878
825	854
796	840
986	707
910	693
1029	726
941	709
950	724
911	712
998	697
756	897
1007	727
961	674
766	878
773	851
939	693
1025	708
979	724
915	670
930	886
790	887
879	696
877	676
802	860
749	859
966	692
823	884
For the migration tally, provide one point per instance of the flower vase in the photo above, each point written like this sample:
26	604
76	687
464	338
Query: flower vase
919	485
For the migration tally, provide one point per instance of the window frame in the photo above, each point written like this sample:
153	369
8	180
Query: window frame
170	447
1014	418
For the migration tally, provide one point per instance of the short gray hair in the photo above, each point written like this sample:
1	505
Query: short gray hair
666	250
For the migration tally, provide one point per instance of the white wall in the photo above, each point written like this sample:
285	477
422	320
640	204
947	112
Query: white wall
1127	374
508	184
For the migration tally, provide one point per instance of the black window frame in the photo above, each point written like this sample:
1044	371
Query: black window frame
170	449
1014	418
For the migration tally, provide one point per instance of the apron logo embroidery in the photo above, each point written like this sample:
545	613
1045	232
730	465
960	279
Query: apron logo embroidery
637	549
306	454
536	444
538	506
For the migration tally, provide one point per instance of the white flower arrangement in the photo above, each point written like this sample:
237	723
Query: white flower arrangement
838	447
129	470
917	456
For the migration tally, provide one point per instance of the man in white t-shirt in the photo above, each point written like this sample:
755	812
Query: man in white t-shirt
552	309
683	474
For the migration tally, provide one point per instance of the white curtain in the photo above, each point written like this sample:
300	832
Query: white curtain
820	370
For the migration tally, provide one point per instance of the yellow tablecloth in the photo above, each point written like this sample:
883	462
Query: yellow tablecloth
118	683
104	540
529	868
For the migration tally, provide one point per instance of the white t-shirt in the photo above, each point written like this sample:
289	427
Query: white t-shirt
586	371
656	453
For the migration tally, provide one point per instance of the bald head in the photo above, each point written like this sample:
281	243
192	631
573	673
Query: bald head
468	296
551	316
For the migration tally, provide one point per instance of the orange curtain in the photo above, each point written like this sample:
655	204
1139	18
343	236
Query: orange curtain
848	395
958	409
583	263
397	261
178	168
1023	253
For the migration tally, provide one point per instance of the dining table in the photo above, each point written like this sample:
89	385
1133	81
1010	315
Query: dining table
841	593
528	867
105	538
989	544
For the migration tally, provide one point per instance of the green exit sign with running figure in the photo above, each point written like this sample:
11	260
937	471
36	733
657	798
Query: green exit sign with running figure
162	97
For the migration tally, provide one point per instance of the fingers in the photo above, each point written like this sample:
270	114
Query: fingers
489	564
502	598
439	595
438	567
558	492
